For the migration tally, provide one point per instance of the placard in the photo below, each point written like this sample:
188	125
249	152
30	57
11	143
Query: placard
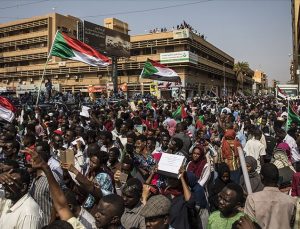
169	164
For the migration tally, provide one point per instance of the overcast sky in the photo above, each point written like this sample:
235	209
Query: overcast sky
256	31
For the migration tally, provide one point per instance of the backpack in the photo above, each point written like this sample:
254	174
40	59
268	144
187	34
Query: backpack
271	143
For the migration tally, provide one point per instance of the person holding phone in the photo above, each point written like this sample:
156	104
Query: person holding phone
122	175
98	181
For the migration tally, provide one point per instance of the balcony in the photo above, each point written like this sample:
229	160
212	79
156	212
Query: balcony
24	36
33	40
23	26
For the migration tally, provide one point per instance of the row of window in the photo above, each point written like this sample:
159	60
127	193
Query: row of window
39	28
24	47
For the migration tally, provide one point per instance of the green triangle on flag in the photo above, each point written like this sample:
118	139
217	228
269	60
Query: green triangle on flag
292	117
156	71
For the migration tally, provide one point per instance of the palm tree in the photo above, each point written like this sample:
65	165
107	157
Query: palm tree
241	69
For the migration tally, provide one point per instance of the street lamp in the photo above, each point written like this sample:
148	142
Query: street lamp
224	74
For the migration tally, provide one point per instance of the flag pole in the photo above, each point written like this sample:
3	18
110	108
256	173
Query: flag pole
44	70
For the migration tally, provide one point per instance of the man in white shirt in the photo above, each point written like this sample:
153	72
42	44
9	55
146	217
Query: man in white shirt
294	148
24	213
256	149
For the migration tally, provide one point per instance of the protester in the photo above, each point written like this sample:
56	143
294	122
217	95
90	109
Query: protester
24	211
199	165
222	180
98	169
230	200
256	149
229	154
156	212
270	207
255	180
132	193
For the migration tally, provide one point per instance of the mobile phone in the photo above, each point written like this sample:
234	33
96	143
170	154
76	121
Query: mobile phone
67	156
123	178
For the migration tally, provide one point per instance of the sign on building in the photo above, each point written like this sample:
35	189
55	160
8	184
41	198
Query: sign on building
106	41
33	88
287	90
178	57
181	34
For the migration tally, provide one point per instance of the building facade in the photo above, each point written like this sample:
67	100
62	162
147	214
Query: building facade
260	85
25	44
294	68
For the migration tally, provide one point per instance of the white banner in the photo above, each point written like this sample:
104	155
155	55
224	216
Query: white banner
178	57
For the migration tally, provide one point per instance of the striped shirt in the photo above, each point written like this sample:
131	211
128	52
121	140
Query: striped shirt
86	219
40	192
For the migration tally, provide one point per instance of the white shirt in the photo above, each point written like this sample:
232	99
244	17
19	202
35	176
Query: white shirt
294	148
25	214
255	149
54	165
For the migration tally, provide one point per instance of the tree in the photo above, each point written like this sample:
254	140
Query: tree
241	70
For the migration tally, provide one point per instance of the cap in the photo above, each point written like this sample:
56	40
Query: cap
158	205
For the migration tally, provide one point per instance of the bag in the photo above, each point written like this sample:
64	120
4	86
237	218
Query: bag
285	176
271	143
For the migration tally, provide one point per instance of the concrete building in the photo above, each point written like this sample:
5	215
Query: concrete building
24	47
260	85
294	68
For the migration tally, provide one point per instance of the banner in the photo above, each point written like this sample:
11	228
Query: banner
105	40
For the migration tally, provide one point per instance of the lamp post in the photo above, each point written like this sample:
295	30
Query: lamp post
224	82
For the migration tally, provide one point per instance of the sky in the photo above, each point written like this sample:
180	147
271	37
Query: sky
256	31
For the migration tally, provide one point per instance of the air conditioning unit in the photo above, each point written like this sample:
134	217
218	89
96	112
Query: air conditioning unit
62	64
67	76
56	77
23	82
76	77
19	80
31	79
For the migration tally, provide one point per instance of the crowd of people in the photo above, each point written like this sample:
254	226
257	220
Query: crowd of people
183	25
99	167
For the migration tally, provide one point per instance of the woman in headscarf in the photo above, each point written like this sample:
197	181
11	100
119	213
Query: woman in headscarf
229	154
221	181
254	177
199	165
171	126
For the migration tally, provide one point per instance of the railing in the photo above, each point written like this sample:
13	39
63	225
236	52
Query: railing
121	67
23	58
24	42
171	41
24	26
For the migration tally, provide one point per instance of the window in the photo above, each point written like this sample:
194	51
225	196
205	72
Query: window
169	49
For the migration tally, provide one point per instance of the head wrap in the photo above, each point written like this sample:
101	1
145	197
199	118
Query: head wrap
171	126
230	145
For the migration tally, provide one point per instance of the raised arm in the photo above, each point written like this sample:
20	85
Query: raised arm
85	184
58	197
186	190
